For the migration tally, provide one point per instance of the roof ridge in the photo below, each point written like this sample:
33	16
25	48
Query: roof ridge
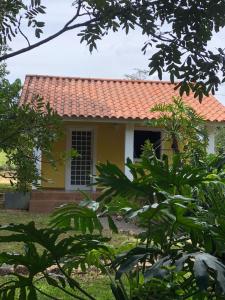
104	79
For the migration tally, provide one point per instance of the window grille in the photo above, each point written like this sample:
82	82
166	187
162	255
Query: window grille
81	166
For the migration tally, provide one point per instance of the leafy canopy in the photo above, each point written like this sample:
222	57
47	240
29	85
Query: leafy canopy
180	31
24	129
183	127
179	254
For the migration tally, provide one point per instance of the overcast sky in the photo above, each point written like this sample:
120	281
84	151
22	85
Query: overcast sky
116	56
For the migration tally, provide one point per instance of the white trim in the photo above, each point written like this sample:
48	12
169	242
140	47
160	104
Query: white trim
105	120
68	186
136	121
128	147
38	157
67	164
211	139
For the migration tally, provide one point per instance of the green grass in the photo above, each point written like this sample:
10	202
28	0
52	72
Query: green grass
4	183
17	217
20	217
2	159
4	187
96	284
41	220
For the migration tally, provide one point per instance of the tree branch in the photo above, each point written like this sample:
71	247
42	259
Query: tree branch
20	31
75	16
51	37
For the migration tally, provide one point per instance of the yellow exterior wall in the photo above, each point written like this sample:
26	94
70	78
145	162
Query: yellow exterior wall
108	144
55	176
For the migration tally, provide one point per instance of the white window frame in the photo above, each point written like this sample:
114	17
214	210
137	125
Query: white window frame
68	185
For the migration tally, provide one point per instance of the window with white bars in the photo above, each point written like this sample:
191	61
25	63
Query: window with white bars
81	166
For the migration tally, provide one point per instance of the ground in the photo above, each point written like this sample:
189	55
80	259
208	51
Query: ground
97	284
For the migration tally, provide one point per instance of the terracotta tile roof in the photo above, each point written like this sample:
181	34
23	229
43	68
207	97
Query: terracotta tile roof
111	98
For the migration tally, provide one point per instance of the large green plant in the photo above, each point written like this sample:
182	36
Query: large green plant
149	175
52	246
179	254
182	126
24	129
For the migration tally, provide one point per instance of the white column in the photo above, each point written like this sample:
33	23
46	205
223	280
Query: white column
129	147
38	156
211	143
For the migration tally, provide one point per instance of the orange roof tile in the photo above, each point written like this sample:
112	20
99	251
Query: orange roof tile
111	98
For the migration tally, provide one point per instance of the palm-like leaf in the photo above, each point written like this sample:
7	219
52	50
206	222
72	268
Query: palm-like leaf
81	217
43	249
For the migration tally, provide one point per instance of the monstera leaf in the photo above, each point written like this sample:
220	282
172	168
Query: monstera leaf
81	217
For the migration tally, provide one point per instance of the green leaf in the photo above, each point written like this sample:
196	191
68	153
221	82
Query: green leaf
112	225
200	271
32	295
22	293
129	263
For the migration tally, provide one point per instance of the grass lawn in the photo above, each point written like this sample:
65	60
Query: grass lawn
2	159
98	285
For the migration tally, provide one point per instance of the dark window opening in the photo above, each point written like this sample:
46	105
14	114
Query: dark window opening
141	136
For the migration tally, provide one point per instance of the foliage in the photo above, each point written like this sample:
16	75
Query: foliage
182	126
81	218
139	74
181	249
25	128
11	17
149	175
3	161
65	252
179	30
220	140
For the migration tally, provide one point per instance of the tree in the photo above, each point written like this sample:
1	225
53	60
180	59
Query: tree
23	129
182	126
220	140
139	74
179	29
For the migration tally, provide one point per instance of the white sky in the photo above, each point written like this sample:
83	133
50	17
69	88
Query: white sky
116	56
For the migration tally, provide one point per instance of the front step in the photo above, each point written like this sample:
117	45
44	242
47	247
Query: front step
46	201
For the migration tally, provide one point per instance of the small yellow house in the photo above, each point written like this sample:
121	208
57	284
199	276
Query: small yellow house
105	120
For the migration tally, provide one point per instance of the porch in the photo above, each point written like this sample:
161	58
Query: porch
96	142
44	201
